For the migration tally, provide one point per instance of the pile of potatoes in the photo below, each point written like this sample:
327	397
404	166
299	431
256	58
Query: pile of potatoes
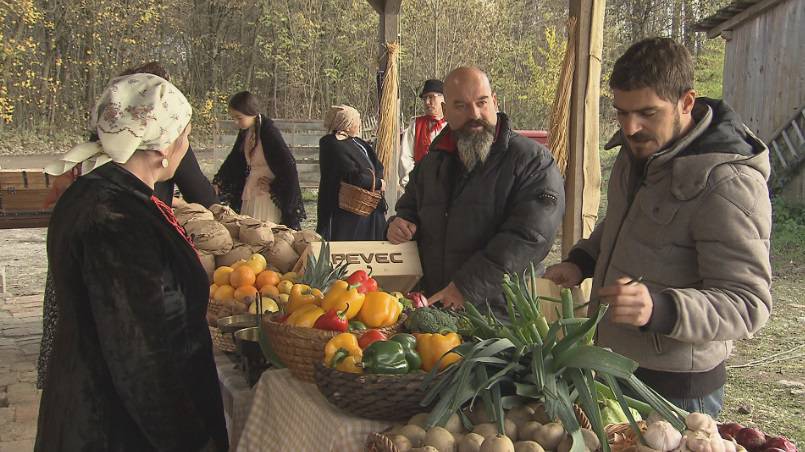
527	429
224	237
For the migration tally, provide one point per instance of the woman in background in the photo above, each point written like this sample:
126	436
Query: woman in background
258	177
345	157
132	366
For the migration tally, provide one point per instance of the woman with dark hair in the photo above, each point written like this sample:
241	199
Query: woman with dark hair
259	178
132	366
345	157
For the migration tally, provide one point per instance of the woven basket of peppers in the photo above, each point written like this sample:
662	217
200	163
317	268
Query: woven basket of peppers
380	376
299	336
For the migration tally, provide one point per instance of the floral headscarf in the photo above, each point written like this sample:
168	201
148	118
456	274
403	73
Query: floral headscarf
341	118
135	112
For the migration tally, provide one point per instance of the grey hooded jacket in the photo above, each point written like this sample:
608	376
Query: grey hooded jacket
694	222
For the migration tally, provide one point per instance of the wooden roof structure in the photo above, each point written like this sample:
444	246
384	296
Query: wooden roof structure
583	173
732	15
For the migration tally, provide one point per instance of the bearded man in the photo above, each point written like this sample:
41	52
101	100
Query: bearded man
688	214
482	202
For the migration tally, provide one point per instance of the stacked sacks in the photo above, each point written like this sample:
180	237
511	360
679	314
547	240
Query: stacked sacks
224	237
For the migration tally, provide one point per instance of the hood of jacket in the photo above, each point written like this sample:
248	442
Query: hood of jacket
719	136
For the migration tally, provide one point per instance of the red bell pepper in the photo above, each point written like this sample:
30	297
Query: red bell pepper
363	281
371	336
333	320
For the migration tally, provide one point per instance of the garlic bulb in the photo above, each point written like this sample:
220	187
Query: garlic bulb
662	436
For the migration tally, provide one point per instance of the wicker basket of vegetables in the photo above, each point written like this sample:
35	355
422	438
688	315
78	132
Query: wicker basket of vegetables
383	377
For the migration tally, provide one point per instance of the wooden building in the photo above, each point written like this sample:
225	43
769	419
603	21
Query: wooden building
764	79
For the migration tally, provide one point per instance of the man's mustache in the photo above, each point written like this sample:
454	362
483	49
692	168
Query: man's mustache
477	122
640	137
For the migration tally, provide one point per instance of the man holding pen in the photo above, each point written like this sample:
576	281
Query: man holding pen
682	256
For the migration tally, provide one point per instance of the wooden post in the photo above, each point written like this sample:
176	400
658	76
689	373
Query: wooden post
389	31
583	174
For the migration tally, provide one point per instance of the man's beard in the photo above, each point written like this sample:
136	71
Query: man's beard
473	146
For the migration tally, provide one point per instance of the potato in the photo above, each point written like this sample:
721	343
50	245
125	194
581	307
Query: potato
528	446
486	430
414	433
419	419
498	443
528	430
549	435
441	439
471	443
454	424
402	443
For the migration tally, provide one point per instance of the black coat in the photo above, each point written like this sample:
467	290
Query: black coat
193	184
284	189
132	366
343	160
472	228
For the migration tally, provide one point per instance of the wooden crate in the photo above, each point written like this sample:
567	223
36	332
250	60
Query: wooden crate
394	267
23	190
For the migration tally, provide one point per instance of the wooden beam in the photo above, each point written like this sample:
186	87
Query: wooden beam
583	173
389	31
741	17
378	5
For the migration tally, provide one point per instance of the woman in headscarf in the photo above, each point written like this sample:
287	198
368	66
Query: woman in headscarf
259	177
194	186
344	156
132	366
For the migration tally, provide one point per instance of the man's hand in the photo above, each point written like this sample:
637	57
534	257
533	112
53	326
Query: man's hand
565	274
629	303
401	231
450	297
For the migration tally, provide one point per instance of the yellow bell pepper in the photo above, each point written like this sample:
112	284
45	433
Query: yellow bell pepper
302	295
340	295
431	347
344	350
379	310
305	316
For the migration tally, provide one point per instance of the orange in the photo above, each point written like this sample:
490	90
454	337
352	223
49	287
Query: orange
270	291
267	278
238	264
242	276
213	288
221	275
246	294
224	293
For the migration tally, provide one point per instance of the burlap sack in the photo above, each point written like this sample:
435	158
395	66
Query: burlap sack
210	236
239	251
186	213
208	262
284	234
281	255
302	239
255	232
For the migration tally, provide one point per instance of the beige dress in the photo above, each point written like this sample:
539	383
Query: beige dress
257	200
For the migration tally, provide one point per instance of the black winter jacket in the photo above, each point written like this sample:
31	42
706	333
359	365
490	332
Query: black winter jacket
132	366
284	189
472	228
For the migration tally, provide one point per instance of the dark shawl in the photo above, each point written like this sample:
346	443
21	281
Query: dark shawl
284	189
132	366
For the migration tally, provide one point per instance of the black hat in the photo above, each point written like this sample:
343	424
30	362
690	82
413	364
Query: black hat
432	86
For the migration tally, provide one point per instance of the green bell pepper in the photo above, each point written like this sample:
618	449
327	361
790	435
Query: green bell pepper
408	342
356	325
385	357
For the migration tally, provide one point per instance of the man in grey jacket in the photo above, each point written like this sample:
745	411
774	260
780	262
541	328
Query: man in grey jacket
689	214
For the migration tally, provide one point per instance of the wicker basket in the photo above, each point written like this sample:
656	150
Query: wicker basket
299	348
622	438
358	200
223	342
379	442
373	396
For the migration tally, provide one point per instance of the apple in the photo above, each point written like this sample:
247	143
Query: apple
780	442
751	438
729	430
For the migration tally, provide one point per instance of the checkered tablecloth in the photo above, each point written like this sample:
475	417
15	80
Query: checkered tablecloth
289	415
236	394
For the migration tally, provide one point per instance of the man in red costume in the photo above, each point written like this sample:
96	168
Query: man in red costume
422	129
